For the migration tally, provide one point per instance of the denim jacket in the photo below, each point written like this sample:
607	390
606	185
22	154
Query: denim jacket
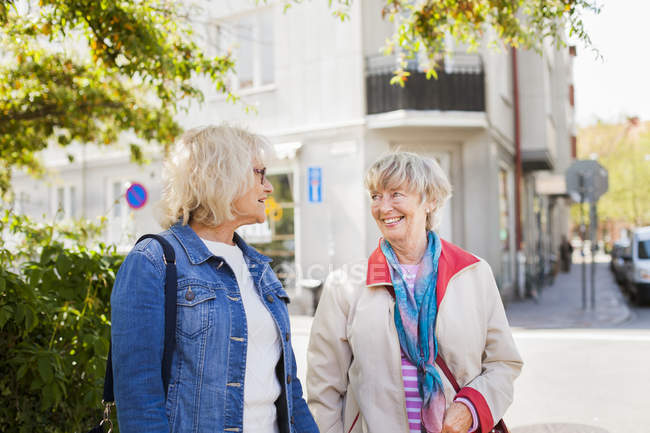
206	388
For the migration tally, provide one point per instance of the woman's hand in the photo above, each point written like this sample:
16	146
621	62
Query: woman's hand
458	419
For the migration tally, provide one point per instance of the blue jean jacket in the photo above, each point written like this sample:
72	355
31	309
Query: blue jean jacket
206	388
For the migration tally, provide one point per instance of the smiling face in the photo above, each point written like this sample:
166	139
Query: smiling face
249	207
401	215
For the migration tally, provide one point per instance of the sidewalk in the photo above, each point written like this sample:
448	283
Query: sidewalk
560	305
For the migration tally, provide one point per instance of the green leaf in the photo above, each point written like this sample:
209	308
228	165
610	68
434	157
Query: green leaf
48	254
100	347
21	371
5	314
45	369
31	320
63	265
20	313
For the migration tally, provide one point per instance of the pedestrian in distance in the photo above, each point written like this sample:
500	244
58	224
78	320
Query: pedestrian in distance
233	368
566	251
390	338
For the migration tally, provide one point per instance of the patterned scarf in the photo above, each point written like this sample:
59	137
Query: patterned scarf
415	319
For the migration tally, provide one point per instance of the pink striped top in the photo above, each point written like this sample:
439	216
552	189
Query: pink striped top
413	400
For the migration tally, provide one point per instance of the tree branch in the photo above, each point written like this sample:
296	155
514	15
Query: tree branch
52	110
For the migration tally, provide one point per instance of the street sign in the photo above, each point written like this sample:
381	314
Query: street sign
315	184
136	196
586	180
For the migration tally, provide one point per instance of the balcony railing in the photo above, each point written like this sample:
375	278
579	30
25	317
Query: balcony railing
460	86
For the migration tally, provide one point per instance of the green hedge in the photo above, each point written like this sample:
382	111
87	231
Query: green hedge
54	325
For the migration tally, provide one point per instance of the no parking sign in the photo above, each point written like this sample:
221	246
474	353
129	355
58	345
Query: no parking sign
136	195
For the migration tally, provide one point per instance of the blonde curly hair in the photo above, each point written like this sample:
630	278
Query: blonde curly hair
208	169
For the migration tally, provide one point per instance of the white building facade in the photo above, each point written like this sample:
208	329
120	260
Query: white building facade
322	95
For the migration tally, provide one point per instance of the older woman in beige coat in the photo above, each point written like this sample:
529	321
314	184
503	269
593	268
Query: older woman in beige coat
392	335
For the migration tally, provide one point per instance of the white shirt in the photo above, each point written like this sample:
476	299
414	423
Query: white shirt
261	385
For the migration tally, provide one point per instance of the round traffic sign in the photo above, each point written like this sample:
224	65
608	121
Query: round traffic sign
136	195
586	180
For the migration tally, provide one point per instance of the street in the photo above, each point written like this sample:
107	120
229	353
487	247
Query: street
584	372
582	381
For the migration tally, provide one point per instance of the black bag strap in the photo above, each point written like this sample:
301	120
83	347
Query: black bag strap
169	257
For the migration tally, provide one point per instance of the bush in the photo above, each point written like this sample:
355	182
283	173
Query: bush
54	325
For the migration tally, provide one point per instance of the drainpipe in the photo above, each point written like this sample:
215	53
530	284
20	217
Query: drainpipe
521	257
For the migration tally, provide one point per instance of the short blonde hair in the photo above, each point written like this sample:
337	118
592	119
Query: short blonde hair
208	169
415	173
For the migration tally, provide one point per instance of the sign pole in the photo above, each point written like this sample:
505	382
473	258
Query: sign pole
587	180
581	184
593	225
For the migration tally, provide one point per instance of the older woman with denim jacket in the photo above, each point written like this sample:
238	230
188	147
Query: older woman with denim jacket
233	367
385	329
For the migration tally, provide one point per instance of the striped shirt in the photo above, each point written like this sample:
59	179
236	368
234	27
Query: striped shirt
413	400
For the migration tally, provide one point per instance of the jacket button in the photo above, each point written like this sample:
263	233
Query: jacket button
288	378
286	336
269	298
189	295
293	420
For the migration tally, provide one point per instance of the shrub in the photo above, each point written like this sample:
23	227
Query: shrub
54	325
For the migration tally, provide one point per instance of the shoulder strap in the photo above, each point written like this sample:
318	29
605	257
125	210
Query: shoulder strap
169	257
443	366
500	427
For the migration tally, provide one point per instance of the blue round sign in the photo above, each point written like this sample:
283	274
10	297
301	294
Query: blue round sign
136	196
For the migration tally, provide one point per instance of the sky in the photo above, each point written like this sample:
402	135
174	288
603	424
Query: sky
617	86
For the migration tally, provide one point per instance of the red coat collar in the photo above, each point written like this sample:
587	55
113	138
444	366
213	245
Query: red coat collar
452	260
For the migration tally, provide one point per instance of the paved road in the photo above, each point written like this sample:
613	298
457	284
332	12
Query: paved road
640	319
582	381
585	371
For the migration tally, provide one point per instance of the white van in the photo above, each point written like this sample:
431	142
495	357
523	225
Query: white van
636	257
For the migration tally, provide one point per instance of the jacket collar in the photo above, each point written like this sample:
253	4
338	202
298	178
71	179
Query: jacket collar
452	260
198	252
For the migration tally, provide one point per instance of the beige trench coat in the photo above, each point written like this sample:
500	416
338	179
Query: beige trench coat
354	376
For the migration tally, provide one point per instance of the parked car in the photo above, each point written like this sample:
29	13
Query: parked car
617	264
636	257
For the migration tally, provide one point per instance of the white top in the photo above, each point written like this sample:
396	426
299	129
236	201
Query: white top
261	385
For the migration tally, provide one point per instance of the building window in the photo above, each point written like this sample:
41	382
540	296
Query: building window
60	203
116	199
22	204
505	227
251	40
65	202
73	202
276	236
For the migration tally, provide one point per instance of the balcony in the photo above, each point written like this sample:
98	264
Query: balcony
460	86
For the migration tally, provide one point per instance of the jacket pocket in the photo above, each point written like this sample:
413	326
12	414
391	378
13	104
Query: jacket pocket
193	303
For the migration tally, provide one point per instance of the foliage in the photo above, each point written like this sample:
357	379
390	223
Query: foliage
54	325
84	71
428	26
624	150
